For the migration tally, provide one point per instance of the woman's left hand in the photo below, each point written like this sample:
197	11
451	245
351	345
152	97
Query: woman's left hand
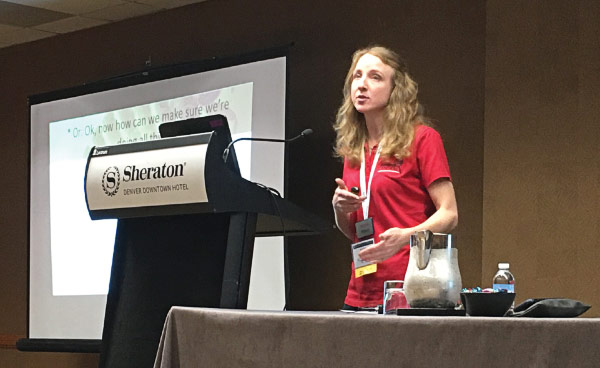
390	243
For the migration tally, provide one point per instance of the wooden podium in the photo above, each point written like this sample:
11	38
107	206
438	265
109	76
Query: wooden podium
185	235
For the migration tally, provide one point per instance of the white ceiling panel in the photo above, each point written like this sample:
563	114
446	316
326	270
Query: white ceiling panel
70	24
24	35
5	28
120	12
73	15
70	6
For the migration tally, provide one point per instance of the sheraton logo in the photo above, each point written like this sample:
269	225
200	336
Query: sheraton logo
112	178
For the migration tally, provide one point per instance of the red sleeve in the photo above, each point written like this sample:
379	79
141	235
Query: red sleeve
431	156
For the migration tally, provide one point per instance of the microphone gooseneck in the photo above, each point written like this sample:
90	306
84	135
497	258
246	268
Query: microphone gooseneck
304	133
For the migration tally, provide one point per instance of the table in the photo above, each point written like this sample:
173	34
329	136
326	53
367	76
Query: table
205	337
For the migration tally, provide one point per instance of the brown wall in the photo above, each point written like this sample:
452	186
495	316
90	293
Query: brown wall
541	203
444	43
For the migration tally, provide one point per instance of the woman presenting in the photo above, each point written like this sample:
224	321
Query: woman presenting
399	166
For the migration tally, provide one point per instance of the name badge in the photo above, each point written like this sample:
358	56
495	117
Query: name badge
364	228
361	267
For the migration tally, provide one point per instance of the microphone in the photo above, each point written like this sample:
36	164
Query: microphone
304	133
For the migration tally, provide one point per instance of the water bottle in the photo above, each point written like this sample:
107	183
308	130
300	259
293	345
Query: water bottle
504	279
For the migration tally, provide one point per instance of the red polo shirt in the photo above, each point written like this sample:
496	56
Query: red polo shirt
399	198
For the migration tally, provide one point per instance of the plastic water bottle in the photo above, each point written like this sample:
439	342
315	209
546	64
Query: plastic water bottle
504	279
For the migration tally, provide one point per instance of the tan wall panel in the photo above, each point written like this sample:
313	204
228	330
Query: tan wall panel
541	161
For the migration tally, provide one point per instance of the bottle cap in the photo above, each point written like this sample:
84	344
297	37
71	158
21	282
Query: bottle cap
503	266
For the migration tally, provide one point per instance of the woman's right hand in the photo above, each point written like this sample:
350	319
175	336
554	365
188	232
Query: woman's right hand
343	200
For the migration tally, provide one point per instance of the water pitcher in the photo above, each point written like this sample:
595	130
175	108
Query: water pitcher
432	278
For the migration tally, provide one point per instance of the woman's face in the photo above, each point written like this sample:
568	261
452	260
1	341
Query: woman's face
372	84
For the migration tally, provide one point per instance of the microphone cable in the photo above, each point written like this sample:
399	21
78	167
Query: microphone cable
273	192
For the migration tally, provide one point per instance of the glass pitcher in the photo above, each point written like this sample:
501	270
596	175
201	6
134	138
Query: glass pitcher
432	278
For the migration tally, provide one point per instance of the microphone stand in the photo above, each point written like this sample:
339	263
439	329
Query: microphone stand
304	133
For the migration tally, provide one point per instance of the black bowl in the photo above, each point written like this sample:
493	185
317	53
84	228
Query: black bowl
487	304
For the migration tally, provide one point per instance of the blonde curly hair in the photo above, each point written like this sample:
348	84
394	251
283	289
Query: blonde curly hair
402	113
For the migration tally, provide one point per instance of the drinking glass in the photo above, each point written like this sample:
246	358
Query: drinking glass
393	296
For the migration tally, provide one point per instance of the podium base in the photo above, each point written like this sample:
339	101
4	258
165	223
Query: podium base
159	262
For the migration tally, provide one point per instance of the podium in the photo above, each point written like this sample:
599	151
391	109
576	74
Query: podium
185	235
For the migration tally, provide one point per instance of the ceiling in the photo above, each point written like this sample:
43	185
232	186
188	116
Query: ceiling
29	20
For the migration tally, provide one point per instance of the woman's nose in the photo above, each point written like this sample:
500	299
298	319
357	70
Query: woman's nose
361	84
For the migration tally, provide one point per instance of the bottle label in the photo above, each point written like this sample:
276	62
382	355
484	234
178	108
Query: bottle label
508	287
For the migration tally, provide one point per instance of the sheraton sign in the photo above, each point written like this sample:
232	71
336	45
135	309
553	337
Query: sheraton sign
156	173
132	173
